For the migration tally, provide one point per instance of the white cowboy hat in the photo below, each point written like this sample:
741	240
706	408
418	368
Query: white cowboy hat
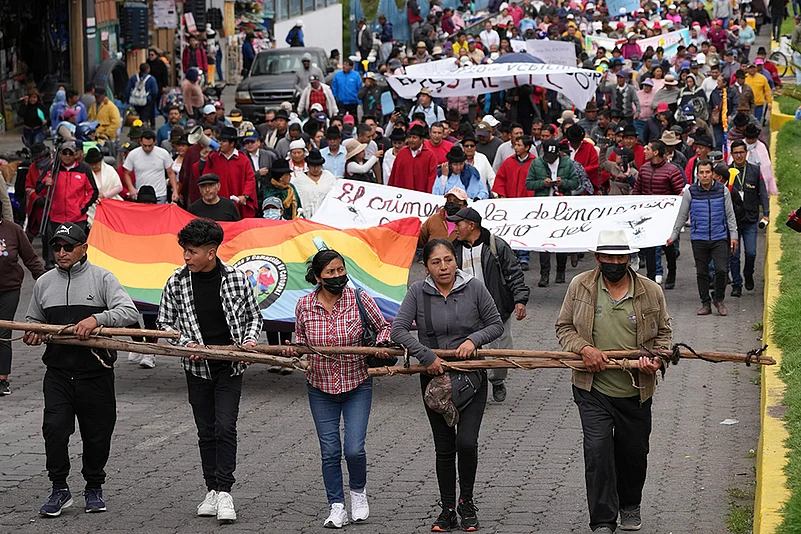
613	242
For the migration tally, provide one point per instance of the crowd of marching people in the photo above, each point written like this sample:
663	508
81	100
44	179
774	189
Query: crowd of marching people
688	122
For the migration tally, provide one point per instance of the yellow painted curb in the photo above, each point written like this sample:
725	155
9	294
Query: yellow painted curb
778	119
771	482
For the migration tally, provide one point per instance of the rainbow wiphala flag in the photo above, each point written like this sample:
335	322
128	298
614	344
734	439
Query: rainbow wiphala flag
138	244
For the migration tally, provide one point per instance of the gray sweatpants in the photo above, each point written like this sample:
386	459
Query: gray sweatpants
497	376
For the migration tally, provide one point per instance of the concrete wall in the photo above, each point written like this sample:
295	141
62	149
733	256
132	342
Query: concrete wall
321	28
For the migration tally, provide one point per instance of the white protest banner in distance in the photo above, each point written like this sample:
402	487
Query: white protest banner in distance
553	224
552	52
445	78
668	41
353	204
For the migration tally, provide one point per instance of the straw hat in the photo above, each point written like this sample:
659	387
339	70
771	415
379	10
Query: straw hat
353	147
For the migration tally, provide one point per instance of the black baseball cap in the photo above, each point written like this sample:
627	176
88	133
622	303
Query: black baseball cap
466	214
70	233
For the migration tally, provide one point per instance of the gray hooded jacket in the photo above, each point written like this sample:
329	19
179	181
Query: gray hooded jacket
468	312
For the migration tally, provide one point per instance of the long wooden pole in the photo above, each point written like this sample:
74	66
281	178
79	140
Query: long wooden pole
61	334
506	353
69	330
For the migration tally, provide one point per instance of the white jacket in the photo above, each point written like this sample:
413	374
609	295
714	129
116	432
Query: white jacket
484	168
330	101
108	185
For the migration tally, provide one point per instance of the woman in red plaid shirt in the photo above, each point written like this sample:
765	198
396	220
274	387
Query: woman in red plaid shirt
338	386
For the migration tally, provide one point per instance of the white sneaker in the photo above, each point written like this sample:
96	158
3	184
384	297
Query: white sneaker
225	508
208	508
359	509
134	357
148	361
635	264
658	279
338	517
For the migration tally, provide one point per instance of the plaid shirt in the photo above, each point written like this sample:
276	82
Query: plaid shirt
340	328
177	312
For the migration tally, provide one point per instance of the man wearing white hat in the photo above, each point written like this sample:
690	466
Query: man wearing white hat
614	308
295	35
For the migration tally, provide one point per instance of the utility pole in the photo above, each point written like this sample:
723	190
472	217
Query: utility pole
76	44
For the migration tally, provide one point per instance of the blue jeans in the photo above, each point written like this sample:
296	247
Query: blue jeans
748	241
354	408
758	112
524	256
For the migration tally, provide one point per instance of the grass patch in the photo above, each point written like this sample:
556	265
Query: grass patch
786	312
741	519
756	327
787	24
788	105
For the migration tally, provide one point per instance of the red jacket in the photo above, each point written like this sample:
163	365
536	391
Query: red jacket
416	173
75	191
588	157
639	160
661	179
200	59
236	178
510	180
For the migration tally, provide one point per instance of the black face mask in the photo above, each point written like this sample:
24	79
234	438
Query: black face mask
614	272
452	208
335	284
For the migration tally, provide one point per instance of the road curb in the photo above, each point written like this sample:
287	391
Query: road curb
771	482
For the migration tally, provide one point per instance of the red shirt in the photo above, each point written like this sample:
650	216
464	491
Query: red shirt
510	181
440	151
236	178
317	97
417	173
342	327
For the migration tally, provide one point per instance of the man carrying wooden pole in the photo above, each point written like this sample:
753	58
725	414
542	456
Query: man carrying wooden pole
211	303
79	381
614	308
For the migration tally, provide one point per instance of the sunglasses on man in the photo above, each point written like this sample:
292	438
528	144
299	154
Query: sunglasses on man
68	247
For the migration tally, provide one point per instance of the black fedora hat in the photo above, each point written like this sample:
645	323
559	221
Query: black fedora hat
456	155
315	158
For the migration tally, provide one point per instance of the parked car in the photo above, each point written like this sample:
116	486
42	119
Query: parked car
272	79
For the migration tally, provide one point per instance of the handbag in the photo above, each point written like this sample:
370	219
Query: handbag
369	336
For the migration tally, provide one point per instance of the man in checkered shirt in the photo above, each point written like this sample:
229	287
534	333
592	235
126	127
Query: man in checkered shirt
211	303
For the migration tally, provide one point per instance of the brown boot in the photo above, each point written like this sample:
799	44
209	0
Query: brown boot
705	310
721	308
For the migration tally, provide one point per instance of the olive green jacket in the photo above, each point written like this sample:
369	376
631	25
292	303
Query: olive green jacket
575	322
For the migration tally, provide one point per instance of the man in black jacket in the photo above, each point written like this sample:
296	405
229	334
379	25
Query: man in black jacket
748	183
79	381
490	259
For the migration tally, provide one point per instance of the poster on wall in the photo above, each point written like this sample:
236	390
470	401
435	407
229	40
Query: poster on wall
164	14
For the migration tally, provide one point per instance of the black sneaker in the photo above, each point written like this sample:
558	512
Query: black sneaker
5	388
630	519
560	277
446	521
524	266
467	510
499	392
544	280
59	499
749	282
736	291
94	500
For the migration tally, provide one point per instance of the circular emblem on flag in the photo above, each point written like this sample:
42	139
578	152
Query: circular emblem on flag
267	276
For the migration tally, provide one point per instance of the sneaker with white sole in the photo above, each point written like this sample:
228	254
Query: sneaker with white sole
148	361
135	357
338	517
658	279
208	508
225	508
359	509
630	519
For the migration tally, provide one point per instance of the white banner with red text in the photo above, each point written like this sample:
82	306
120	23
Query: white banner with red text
446	78
554	224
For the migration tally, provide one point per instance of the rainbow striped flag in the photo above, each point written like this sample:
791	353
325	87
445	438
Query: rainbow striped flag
139	244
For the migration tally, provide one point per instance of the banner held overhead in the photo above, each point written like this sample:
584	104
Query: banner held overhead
445	78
